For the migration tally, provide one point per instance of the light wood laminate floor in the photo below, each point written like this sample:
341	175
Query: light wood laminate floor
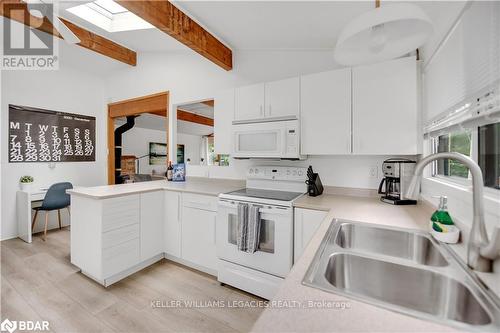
38	282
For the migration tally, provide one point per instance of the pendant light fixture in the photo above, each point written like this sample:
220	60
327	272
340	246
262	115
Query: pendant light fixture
383	33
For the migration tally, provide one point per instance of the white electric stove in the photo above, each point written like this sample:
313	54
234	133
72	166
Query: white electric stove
273	189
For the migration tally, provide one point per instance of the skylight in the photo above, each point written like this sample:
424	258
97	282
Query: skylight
110	6
110	16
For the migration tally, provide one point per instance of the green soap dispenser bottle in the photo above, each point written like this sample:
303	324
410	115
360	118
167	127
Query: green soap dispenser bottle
441	223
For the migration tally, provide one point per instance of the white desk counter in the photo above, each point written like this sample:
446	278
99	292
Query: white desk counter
24	200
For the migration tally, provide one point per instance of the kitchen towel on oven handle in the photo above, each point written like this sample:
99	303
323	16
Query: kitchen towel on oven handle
241	241
253	233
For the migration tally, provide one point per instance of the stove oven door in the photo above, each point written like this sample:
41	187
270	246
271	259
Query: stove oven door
275	252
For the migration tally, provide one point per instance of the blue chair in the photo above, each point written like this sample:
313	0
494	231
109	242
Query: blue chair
56	198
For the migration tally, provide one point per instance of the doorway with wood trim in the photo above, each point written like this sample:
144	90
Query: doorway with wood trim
195	138
155	104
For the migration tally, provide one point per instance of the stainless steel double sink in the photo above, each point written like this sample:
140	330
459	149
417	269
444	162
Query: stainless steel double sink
402	270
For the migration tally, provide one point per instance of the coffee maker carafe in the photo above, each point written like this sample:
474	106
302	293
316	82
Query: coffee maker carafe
397	175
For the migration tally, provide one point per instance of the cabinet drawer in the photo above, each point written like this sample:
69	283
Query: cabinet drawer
120	257
120	235
199	201
120	212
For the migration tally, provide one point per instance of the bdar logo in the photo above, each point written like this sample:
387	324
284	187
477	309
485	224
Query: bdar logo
8	325
24	325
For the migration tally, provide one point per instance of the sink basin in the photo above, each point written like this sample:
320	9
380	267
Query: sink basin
404	271
413	246
409	287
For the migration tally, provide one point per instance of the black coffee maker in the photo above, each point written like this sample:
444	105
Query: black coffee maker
397	176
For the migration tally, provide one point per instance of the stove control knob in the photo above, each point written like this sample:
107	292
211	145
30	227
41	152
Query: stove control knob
256	171
288	172
295	172
250	171
300	173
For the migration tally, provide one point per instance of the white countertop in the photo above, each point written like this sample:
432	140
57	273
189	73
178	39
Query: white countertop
207	186
359	317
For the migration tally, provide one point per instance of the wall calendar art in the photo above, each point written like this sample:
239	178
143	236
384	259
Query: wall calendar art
37	135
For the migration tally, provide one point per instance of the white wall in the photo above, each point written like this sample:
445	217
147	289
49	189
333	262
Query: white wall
190	78
468	60
66	90
136	141
340	171
192	144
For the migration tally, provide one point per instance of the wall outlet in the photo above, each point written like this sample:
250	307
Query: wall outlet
373	172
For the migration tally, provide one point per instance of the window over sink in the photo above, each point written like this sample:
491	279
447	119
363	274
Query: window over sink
482	144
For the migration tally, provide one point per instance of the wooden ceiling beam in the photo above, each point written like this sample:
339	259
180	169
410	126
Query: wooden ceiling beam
155	103
209	103
194	118
18	11
162	113
172	21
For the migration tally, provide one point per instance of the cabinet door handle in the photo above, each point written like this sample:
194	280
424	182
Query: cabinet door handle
270	110
261	110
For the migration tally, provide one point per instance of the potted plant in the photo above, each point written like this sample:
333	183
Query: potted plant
26	182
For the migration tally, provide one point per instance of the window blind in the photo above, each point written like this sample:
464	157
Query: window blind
465	69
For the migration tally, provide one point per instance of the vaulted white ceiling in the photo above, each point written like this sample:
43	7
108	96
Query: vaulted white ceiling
266	25
261	25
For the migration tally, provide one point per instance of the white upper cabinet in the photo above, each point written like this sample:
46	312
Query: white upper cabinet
325	115
249	102
282	98
223	117
385	108
268	100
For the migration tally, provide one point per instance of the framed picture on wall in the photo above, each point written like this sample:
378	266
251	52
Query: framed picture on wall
180	154
157	153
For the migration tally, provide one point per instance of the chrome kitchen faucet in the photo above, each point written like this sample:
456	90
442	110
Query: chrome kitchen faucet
480	252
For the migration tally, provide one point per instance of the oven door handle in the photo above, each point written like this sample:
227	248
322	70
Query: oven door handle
274	210
266	209
229	204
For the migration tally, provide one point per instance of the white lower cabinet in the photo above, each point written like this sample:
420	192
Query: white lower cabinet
306	222
120	257
199	214
152	217
172	224
116	237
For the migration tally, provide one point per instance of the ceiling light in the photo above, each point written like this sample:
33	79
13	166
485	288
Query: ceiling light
383	33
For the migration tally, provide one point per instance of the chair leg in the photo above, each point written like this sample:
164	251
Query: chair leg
69	214
34	221
59	218
46	224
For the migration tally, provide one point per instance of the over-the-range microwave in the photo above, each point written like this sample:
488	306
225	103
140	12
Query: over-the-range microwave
274	139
